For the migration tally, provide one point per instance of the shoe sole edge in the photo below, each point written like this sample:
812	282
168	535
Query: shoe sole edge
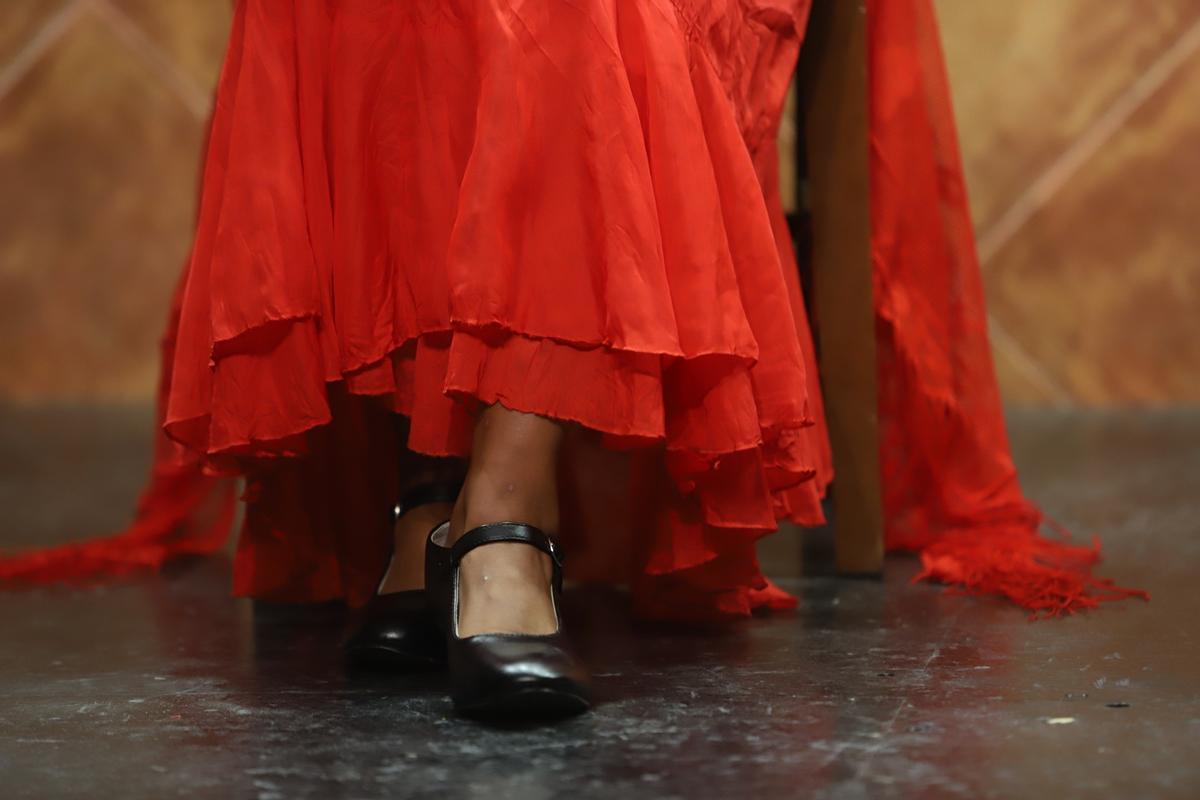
386	658
525	702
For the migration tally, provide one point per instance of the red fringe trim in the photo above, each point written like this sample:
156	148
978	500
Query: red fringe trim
182	512
1050	577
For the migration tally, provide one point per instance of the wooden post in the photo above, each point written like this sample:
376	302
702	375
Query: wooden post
833	85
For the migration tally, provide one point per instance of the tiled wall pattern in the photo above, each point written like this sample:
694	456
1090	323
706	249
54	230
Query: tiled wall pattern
1080	128
1079	120
102	104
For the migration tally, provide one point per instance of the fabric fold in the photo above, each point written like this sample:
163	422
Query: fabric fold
555	209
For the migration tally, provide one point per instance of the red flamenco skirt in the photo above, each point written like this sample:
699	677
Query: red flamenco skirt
424	207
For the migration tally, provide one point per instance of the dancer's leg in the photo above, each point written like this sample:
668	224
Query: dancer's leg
505	588
407	570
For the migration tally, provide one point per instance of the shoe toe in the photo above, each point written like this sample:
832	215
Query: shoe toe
512	675
397	634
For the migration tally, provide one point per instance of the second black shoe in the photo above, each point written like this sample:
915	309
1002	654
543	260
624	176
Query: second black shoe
398	630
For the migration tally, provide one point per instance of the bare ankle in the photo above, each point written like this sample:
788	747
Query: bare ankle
512	476
487	498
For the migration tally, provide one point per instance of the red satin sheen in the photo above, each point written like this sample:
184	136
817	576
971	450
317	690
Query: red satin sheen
571	209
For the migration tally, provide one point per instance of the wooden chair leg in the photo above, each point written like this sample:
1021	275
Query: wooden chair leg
833	84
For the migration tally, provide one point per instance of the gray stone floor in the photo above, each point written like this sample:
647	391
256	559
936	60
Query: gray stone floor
164	686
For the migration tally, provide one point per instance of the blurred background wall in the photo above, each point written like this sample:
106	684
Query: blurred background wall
1079	123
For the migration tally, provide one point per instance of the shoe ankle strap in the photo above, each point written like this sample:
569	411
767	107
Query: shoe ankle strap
425	493
507	532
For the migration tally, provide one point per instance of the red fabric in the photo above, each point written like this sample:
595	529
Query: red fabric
950	487
571	209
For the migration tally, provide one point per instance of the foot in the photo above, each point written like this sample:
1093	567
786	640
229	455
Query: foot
514	675
407	568
505	587
427	479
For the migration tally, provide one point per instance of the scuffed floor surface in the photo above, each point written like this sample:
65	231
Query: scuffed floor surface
166	687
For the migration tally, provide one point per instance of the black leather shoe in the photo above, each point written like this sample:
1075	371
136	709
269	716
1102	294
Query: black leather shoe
503	674
398	630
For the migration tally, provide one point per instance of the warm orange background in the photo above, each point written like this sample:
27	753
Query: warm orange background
1080	127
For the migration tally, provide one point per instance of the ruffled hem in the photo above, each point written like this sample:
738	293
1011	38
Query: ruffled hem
429	253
